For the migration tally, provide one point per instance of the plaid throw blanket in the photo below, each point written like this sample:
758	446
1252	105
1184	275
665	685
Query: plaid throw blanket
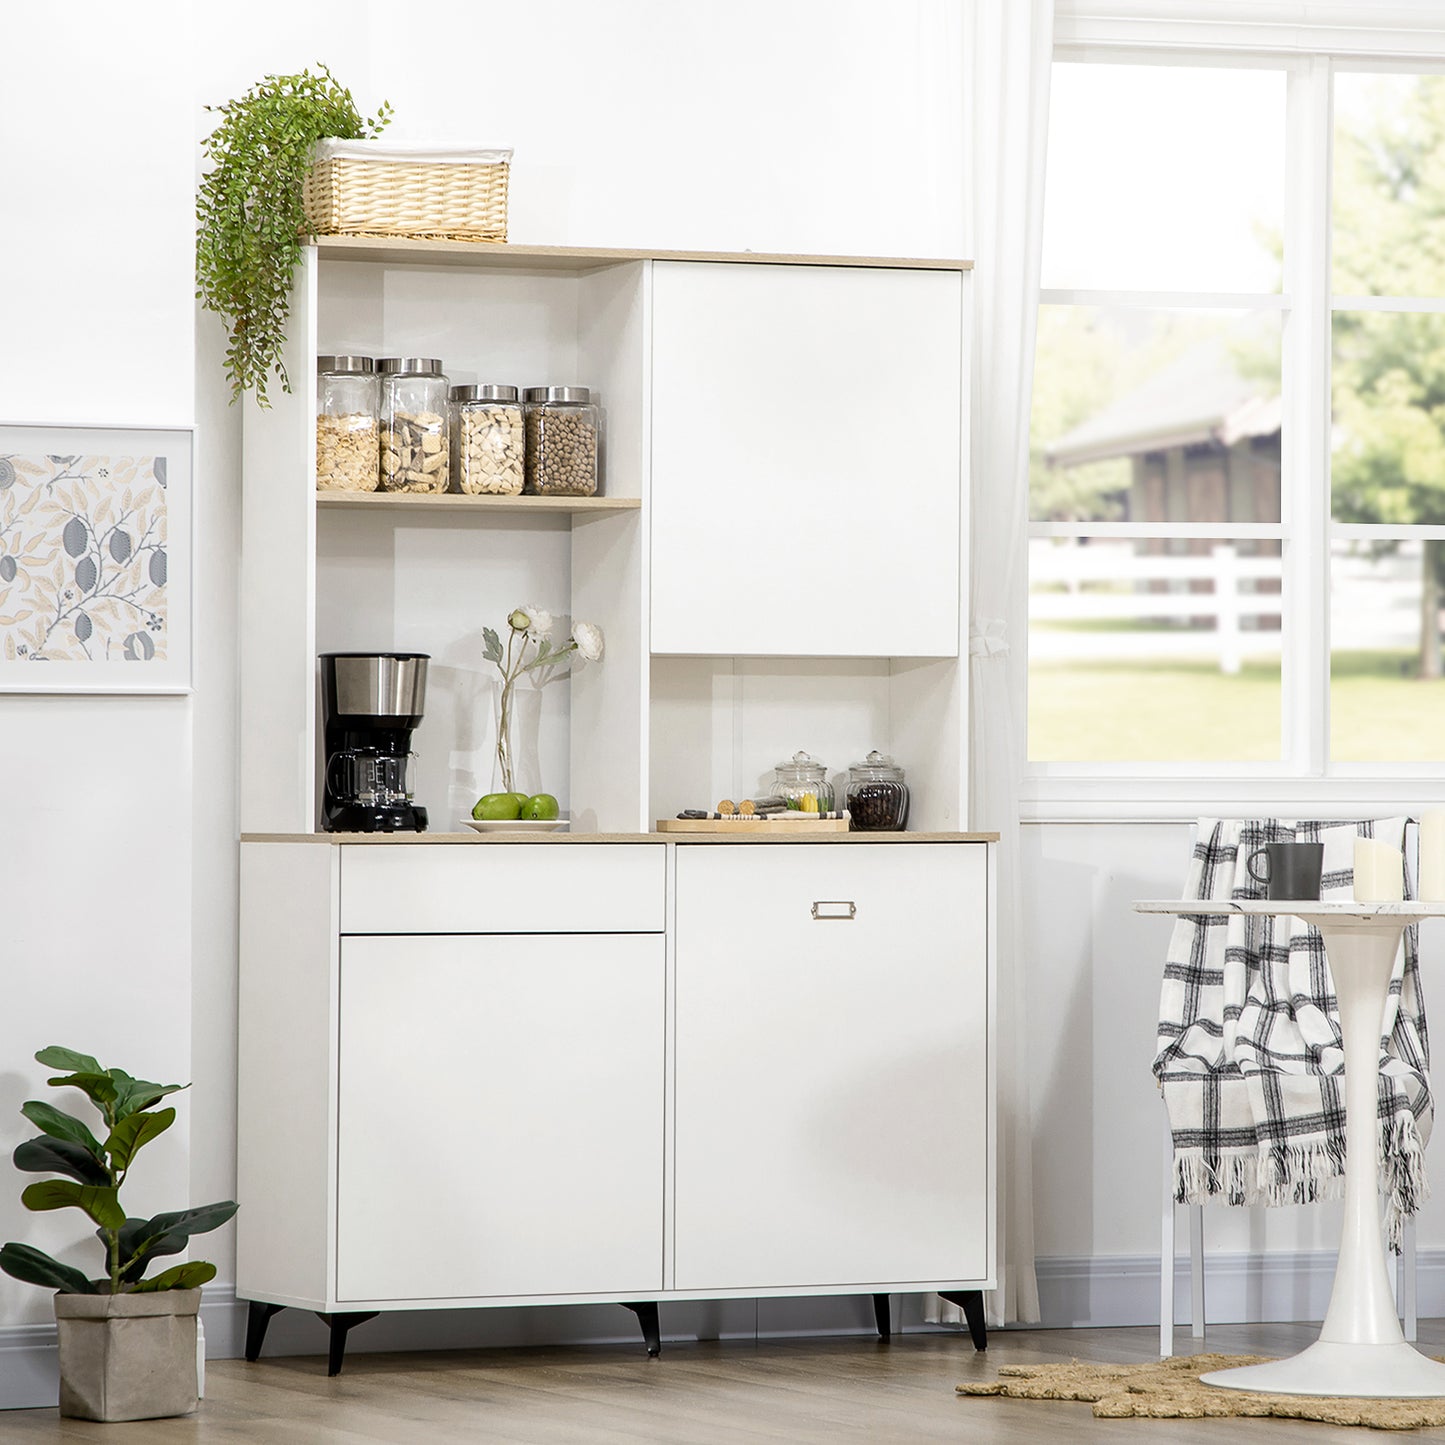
1249	1054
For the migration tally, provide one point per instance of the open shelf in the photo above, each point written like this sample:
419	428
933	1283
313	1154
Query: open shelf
461	502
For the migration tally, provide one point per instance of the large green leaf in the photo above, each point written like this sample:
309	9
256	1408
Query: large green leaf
50	1120
200	1220
134	1131
56	1057
138	1246
99	1204
62	1156
179	1276
99	1088
133	1095
33	1266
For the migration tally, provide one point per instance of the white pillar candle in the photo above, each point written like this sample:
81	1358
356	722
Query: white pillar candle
1379	872
1432	856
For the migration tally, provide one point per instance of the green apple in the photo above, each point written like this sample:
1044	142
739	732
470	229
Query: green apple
540	805
522	799
496	807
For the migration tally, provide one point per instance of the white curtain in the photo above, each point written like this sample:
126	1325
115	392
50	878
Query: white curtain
1009	58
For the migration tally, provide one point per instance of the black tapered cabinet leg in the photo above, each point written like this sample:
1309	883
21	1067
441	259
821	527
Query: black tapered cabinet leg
257	1318
880	1316
651	1330
970	1301
340	1326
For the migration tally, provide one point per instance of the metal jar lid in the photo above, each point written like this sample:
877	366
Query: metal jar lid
357	365
556	393
409	366
484	393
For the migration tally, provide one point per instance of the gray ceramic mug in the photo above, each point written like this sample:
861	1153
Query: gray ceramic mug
1292	869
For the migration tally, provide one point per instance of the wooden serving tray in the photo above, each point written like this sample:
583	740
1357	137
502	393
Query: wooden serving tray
753	825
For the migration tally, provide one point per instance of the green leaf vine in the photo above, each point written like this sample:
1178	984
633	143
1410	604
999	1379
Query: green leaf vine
250	222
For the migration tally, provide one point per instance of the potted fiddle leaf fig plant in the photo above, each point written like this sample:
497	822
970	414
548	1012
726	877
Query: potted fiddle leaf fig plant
127	1339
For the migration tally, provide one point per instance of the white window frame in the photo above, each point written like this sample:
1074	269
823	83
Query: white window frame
1344	37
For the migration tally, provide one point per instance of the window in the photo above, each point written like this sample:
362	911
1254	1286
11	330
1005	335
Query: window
1237	482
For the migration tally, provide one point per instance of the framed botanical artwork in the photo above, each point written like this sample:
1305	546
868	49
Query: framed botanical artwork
95	559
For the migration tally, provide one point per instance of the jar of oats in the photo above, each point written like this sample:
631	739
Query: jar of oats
346	424
562	425
486	440
414	452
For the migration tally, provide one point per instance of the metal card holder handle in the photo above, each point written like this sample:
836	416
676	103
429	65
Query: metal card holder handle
841	910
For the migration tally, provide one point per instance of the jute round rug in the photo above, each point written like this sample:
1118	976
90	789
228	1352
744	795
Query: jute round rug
1171	1390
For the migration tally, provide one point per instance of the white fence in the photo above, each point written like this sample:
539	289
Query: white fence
1104	583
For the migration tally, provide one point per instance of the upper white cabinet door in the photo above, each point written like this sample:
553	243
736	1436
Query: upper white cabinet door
807	428
832	1078
500	1116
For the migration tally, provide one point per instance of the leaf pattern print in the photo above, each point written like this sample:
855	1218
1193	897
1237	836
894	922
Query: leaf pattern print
83	558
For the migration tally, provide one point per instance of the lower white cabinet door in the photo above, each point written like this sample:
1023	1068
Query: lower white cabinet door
500	1123
832	1089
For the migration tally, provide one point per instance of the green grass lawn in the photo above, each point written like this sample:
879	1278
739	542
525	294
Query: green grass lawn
1188	711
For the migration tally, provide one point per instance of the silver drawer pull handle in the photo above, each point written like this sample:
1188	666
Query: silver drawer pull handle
824	910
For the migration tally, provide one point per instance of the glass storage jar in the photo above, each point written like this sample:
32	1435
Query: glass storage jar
346	424
562	426
487	440
414	453
803	784
876	796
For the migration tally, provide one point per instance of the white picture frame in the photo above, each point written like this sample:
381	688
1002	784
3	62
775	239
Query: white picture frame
96	546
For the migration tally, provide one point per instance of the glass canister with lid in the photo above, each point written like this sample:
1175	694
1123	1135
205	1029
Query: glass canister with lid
562	427
487	440
346	424
414	452
802	783
876	796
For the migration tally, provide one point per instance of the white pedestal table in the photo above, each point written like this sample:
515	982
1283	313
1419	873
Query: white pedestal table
1361	1349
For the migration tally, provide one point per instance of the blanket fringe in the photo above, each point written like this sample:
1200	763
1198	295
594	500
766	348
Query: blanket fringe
1307	1173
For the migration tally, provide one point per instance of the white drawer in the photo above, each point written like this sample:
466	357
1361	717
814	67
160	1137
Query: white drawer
504	888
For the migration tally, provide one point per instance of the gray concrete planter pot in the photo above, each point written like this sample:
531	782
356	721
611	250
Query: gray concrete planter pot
127	1356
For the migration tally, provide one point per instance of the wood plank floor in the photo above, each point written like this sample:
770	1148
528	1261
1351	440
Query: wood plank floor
830	1391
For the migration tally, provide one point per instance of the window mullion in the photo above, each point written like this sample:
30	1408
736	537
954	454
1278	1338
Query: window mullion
1305	380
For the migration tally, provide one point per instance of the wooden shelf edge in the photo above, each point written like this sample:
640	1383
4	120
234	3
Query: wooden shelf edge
460	502
401	251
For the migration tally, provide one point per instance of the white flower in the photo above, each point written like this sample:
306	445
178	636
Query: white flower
541	622
588	637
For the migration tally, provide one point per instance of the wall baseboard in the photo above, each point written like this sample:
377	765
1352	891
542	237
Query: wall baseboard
1075	1291
1101	1291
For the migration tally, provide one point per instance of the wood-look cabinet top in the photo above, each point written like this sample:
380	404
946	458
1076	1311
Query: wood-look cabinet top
552	839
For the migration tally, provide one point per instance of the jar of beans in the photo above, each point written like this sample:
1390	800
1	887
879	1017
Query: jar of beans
562	425
876	795
414	452
802	783
487	440
346	427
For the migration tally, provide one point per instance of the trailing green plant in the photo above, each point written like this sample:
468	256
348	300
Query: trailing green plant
95	1171
249	211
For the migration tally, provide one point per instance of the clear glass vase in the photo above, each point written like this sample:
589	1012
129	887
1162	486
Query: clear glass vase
517	714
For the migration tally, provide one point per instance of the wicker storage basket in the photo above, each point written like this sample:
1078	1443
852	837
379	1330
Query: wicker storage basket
358	188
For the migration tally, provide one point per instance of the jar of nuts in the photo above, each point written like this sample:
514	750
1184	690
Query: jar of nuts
802	783
487	440
877	796
414	452
562	425
346	427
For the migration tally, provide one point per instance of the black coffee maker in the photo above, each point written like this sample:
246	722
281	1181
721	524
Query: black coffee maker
370	702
